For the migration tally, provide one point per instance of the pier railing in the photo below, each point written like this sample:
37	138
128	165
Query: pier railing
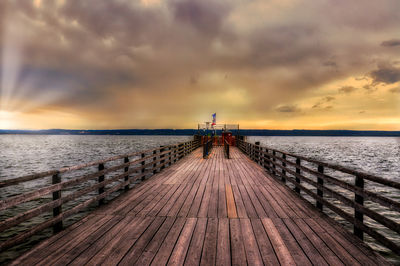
52	203
207	147
359	198
226	149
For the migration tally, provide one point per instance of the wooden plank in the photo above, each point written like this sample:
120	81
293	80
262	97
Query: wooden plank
264	244
115	243
192	185
290	242
167	246
357	248
57	248
223	243
47	242
330	257
183	212
248	181
151	249
338	249
290	200
250	244
213	203
237	248
230	202
150	205
133	254
78	244
241	211
222	208
182	187
196	244
210	243
181	247
282	250
308	248
281	209
161	203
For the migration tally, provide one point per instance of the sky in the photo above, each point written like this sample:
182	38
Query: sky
278	64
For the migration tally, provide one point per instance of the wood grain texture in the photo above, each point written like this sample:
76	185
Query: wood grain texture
213	211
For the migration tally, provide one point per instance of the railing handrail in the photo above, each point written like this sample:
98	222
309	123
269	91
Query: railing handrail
26	178
279	166
149	162
370	177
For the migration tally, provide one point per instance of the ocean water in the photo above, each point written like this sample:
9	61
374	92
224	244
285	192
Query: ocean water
25	154
374	155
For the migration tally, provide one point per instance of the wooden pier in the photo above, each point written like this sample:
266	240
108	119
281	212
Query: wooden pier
214	211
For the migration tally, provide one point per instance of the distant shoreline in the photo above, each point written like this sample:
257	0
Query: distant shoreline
189	132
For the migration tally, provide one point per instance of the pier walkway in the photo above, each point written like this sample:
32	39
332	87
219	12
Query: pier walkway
205	211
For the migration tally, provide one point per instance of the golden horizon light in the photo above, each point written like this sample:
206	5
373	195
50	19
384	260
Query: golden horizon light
293	64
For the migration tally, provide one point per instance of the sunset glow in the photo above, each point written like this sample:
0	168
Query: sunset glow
170	64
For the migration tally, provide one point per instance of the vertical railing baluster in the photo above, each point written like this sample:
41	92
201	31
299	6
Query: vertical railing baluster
268	158
143	169
155	164
126	160
170	155
283	170
320	191
298	162
257	152
175	152
359	216
273	162
101	179
56	179
162	157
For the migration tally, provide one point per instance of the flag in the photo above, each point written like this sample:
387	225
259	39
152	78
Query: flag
214	119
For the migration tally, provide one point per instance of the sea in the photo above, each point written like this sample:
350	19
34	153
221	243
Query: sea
26	154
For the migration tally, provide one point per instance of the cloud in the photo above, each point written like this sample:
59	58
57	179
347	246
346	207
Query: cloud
347	89
386	73
328	98
391	43
324	100
395	90
288	109
206	16
370	88
151	64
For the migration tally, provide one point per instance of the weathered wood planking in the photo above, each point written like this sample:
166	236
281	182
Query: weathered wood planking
205	211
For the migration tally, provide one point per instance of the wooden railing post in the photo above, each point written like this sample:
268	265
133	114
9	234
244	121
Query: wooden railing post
283	170
155	164
257	152
162	156
273	162
175	153
359	182
126	160
101	179
266	162
143	163
170	155
298	162
320	192
57	210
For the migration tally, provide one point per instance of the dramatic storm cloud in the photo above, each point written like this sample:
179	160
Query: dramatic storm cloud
171	63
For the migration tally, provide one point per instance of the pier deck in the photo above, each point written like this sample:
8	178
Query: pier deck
205	211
